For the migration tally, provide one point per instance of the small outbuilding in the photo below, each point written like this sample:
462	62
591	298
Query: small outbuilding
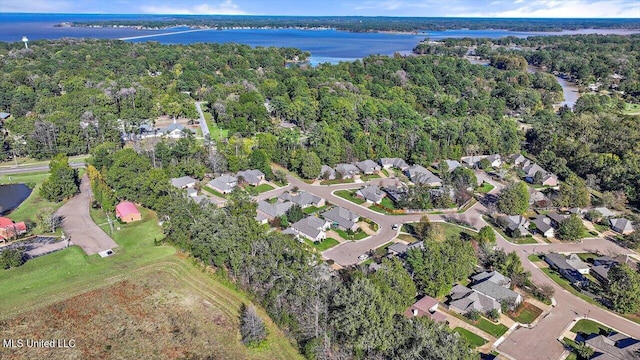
127	212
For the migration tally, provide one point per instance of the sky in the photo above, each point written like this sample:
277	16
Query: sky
426	8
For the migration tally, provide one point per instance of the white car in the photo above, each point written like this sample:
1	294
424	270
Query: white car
395	227
363	257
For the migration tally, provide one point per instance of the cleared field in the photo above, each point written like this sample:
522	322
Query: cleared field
168	313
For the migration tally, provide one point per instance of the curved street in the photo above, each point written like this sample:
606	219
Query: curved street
539	342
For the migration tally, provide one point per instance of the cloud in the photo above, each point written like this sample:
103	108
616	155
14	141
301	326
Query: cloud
223	8
35	6
391	5
563	9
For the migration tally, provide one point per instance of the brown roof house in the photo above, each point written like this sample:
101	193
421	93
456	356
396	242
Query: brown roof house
427	306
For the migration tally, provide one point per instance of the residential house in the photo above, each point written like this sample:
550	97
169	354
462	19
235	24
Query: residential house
371	194
311	227
346	171
127	212
538	198
397	249
10	229
267	211
451	165
531	170
571	268
493	276
342	218
302	199
368	167
184	182
501	294
420	175
252	177
175	130
616	260
543	226
606	213
464	300
601	272
396	163
416	245
556	219
549	180
223	184
520	160
191	192
395	192
515	222
621	225
427	306
495	160
327	173
615	346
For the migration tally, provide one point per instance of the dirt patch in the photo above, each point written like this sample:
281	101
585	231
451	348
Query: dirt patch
157	317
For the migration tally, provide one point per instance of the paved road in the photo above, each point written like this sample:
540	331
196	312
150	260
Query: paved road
21	169
203	122
77	223
539	342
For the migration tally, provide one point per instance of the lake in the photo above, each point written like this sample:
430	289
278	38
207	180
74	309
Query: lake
325	45
11	196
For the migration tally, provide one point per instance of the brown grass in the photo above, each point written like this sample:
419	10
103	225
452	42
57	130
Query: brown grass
154	317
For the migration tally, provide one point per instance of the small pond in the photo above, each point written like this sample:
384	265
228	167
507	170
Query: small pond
11	196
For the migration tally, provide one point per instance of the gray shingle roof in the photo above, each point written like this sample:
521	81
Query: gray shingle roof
224	182
302	198
420	175
498	292
183	181
394	162
371	193
493	276
251	176
367	166
347	170
341	216
274	210
621	224
398	248
311	226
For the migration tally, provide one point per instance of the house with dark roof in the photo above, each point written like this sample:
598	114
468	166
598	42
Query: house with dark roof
427	306
368	167
396	163
371	194
302	199
451	165
493	276
397	249
346	171
311	227
464	300
601	272
500	293
420	175
489	290
252	177
556	218
621	225
267	211
571	268
606	213
543	226
342	218
183	182
223	184
615	346
515	222
519	160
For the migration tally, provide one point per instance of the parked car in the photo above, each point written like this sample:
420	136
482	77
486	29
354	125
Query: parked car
395	227
363	257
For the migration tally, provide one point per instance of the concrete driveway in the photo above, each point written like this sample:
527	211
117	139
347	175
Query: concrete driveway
77	223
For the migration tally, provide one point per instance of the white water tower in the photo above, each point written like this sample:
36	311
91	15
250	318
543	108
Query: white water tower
25	41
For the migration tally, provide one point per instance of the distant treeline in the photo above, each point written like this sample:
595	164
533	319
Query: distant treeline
372	24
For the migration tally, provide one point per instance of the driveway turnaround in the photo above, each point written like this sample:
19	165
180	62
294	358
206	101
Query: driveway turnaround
78	226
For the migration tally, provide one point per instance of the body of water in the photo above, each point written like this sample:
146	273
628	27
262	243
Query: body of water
324	45
11	196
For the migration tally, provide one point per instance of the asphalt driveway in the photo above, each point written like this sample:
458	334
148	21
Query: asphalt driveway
77	223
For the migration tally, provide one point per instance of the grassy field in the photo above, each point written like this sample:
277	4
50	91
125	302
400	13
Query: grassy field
349	195
255	190
32	161
326	244
214	130
473	339
485	188
210	190
369	177
587	326
631	109
587	257
358	235
337	181
313	209
454	230
526	313
408	238
388	203
485	325
142	292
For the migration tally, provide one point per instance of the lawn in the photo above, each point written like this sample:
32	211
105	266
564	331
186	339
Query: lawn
491	328
211	191
313	209
255	190
369	177
30	207
337	181
388	203
383	250
535	257
32	161
555	276
214	130
526	313
587	326
473	339
631	109
587	257
349	195
408	238
325	244
71	271
385	172
358	235
453	230
484	188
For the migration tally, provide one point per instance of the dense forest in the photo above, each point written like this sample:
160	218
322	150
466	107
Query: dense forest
371	23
